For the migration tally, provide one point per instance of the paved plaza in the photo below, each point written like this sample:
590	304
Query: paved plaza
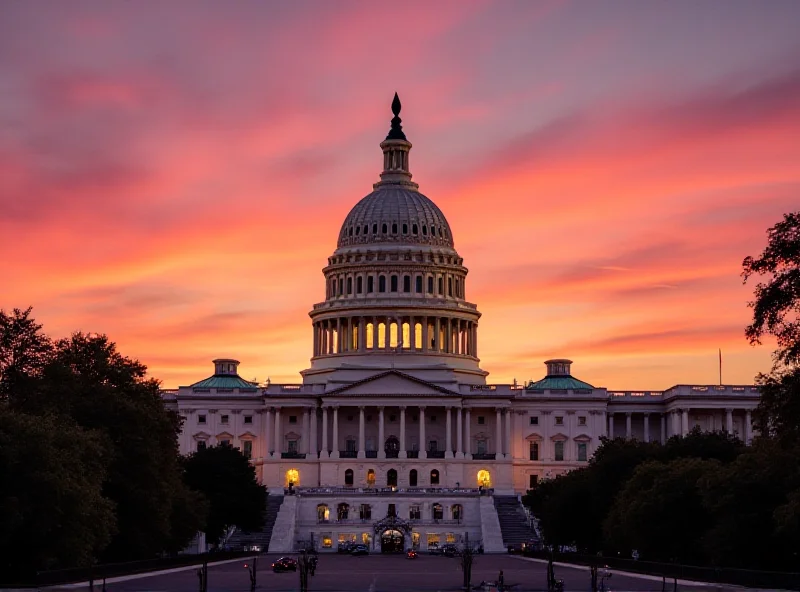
381	573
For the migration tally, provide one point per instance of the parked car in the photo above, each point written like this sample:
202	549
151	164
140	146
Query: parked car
284	564
359	550
411	554
434	549
450	551
345	547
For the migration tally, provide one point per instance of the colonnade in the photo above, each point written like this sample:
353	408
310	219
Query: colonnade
391	333
457	441
679	423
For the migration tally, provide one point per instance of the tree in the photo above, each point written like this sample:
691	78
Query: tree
228	481
52	510
776	308
660	511
24	350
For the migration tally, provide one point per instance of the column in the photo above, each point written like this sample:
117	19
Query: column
459	435
685	422
381	449
509	451
268	442
467	433
437	335
338	349
448	333
399	333
448	450
425	341
423	452
361	443
316	338
325	453
646	427
628	425
305	446
374	332
475	344
610	426
335	443
499	435
314	447
748	427
729	421
402	433
663	428
362	334
568	450
278	447
412	332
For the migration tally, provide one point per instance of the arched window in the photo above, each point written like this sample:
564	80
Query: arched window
434	477
342	511
383	229
323	513
371	478
391	447
424	230
438	512
333	287
449	286
358	230
382	283
349	285
391	478
405	228
433	231
419	284
414	229
484	478
458	512
350	231
441	286
374	229
406	283
359	285
348	477
394	283
412	478
394	228
430	284
366	228
370	285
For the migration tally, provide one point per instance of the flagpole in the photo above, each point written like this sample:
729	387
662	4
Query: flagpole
720	366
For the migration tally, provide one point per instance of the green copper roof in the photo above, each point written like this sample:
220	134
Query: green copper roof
224	382
558	383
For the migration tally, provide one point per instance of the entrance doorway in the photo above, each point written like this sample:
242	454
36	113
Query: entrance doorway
392	541
391	478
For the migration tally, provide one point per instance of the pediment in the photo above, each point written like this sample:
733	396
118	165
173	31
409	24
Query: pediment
583	438
534	437
559	436
391	383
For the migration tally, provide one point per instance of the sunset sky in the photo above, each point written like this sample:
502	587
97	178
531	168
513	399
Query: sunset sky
174	174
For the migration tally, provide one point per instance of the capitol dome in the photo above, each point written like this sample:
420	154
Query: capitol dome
394	213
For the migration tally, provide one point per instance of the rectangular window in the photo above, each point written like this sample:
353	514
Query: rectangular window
534	451
450	538
350	445
223	419
247	448
559	420
394	283
365	512
582	421
560	450
292	446
481	420
382	284
441	286
406	283
414	513
534	421
201	445
392	510
533	481
433	540
359	285
327	541
370	285
418	283
582	451
248	419
449	286
432	446
201	419
481	446
292	419
430	285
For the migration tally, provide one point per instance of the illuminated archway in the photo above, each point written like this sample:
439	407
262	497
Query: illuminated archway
293	477
484	478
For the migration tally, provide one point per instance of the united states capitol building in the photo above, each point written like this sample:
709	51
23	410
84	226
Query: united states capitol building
395	437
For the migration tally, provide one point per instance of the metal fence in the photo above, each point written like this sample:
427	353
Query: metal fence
718	575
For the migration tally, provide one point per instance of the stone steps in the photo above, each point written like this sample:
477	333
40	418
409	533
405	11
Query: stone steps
513	521
262	538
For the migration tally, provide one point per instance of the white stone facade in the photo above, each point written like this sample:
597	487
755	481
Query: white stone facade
395	409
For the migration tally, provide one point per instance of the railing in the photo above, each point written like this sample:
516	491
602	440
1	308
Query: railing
392	453
412	454
293	454
435	453
484	456
391	490
372	454
348	454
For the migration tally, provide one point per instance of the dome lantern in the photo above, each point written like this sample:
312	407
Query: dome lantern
395	153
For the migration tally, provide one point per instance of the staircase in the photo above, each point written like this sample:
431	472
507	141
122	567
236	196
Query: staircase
242	540
513	521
